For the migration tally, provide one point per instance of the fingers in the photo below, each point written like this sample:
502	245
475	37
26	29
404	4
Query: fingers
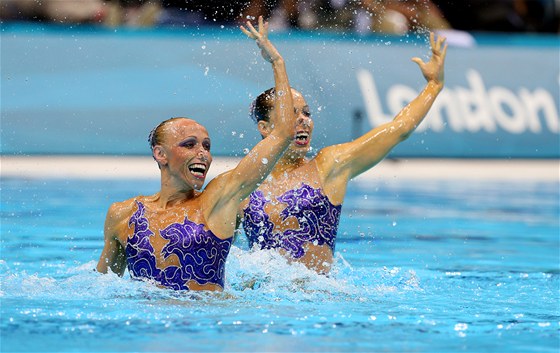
440	41
253	33
436	43
261	26
252	29
444	52
246	32
432	41
265	29
418	61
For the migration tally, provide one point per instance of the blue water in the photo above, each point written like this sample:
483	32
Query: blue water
420	266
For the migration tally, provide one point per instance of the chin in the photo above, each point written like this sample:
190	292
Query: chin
198	184
299	152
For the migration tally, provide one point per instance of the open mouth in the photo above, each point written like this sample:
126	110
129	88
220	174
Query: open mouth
302	138
198	170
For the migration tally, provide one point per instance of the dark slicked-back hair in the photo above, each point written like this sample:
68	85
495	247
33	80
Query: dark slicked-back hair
262	105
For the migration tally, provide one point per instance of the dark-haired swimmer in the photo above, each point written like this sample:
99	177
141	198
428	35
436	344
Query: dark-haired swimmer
180	237
297	208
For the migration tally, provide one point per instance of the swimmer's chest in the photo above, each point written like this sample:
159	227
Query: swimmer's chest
285	196
276	185
175	227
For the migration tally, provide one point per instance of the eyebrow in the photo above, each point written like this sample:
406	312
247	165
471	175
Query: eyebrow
188	138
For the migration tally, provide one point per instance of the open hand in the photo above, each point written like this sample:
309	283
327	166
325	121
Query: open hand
268	50
433	69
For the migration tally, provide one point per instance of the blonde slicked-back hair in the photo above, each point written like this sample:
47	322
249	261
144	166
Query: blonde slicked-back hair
156	135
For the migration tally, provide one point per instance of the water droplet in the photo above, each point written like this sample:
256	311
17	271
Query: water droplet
245	150
264	161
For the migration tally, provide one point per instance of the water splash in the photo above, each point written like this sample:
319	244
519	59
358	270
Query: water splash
260	274
250	275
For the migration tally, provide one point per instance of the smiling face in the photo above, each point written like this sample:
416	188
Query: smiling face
303	129
184	153
304	124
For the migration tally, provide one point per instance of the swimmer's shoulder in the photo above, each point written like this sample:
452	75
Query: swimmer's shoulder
330	162
219	182
325	157
121	210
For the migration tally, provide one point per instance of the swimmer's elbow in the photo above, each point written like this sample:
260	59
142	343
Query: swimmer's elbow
402	130
101	267
104	269
405	135
116	265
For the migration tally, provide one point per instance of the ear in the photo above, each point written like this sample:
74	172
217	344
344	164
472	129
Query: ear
265	128
159	155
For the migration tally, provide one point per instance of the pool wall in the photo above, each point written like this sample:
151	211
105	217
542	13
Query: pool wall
99	91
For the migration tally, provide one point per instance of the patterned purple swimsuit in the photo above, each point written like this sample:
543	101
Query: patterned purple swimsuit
318	221
202	255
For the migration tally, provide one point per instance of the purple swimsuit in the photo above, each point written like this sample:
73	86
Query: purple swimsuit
318	221
202	255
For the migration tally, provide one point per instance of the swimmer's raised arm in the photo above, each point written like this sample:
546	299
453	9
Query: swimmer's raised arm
356	157
113	256
227	190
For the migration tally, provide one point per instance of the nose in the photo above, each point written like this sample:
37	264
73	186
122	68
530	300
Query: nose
203	154
303	120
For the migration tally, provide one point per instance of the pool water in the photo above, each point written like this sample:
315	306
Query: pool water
440	266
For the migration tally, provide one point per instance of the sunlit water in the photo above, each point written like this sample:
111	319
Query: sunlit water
420	267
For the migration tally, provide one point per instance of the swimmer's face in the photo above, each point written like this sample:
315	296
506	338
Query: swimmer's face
304	124
187	147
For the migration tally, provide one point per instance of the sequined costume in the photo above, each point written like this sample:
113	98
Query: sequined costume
201	254
318	221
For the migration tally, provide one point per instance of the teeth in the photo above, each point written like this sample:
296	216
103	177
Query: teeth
197	169
302	135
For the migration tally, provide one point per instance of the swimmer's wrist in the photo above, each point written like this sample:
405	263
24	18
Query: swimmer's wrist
277	61
435	85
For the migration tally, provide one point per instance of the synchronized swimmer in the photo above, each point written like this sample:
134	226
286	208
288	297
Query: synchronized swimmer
180	237
296	210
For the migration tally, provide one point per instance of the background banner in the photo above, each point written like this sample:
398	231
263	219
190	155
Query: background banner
97	91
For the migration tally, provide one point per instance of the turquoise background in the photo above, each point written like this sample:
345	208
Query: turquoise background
99	91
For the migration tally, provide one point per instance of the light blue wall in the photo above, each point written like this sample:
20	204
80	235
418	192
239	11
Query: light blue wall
94	91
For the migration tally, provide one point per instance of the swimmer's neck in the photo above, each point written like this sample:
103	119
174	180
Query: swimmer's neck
287	164
169	197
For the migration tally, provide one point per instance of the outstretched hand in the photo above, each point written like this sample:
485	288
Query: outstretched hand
268	50
433	69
